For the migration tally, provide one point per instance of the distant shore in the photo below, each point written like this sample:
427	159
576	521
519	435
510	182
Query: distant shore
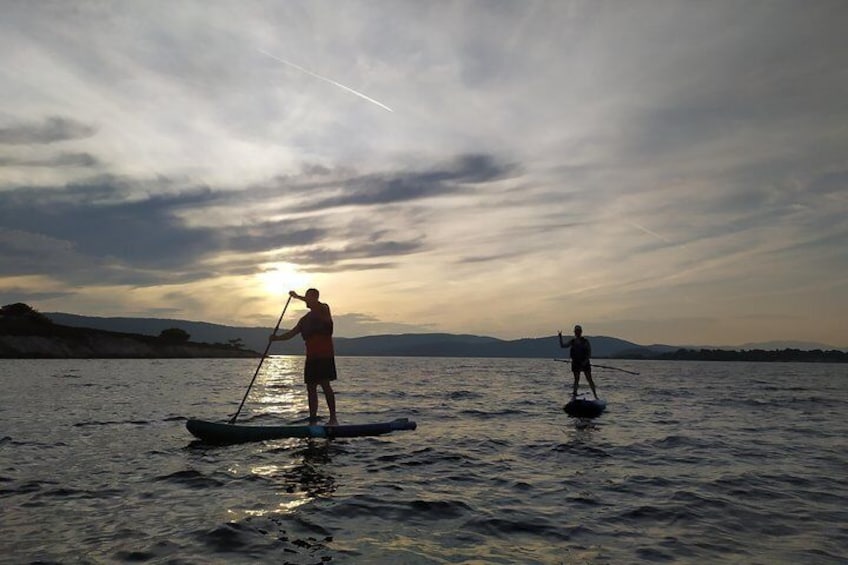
34	337
752	355
109	347
26	333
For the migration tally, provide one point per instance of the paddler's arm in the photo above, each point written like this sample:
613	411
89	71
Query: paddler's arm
323	310
561	343
285	335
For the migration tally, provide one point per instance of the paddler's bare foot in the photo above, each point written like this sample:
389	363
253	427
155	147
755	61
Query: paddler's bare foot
333	422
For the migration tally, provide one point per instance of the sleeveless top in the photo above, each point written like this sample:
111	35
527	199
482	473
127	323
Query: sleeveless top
317	334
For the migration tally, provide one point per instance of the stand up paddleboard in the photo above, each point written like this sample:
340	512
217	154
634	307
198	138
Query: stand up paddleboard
585	408
219	433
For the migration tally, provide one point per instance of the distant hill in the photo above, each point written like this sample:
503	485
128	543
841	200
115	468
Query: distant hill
449	345
252	337
411	345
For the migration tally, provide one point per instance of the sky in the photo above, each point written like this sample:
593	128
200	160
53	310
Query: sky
660	171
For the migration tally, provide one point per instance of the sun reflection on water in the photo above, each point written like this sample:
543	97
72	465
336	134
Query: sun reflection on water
281	391
300	475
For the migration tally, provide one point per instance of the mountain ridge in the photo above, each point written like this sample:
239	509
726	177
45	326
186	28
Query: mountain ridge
424	344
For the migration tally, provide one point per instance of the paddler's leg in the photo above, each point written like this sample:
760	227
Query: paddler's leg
330	395
576	382
588	372
312	397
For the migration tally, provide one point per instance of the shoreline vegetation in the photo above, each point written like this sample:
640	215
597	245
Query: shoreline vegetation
750	355
25	333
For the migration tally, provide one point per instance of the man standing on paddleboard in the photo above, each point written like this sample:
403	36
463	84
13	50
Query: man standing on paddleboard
581	353
316	329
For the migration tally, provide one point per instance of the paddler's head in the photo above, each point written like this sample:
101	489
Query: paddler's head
311	297
578	330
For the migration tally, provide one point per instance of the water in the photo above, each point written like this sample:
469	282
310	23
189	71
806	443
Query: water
691	463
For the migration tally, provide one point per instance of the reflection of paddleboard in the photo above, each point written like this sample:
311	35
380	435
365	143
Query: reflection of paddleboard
585	408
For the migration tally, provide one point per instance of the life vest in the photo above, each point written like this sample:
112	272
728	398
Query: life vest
317	334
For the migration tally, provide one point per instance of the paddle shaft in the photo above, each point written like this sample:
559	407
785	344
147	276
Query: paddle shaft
616	369
262	360
602	367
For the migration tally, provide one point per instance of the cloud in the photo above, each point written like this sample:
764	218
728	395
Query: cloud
155	232
61	160
322	259
463	173
113	233
51	130
11	295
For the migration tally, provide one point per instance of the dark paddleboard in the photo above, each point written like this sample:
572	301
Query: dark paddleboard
585	408
220	433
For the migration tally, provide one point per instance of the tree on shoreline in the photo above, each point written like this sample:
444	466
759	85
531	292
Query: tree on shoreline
20	310
174	336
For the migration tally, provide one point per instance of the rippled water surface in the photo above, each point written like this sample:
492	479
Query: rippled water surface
691	463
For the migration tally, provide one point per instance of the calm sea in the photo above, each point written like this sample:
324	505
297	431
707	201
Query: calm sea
691	463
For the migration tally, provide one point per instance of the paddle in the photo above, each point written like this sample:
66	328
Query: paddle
267	347
616	369
601	366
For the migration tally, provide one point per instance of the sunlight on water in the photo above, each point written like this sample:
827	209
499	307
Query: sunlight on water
267	470
285	507
286	500
279	390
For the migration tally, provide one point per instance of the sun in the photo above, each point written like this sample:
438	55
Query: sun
278	279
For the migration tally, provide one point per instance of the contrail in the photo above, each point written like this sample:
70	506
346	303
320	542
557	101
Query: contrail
647	231
325	79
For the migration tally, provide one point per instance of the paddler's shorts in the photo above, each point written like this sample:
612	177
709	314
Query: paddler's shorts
581	365
320	369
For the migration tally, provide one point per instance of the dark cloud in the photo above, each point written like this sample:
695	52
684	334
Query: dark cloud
61	160
106	229
317	259
29	253
387	188
270	235
830	183
497	257
347	267
119	231
101	221
51	130
28	296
